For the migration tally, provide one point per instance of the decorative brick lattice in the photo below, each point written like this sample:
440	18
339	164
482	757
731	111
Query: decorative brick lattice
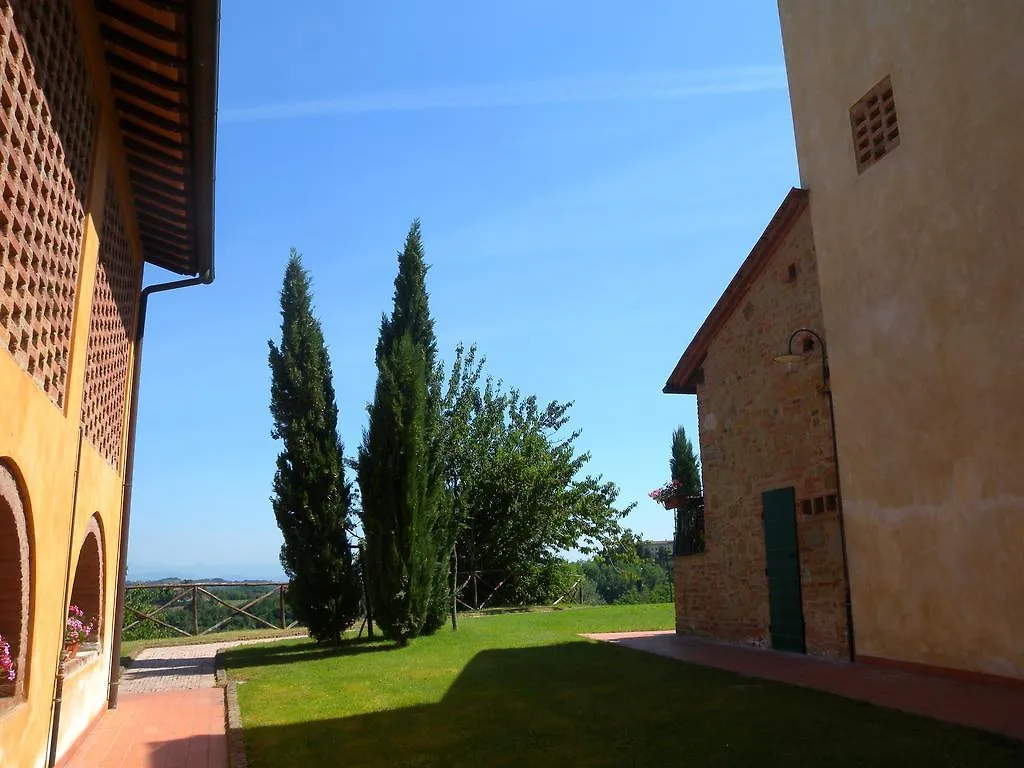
114	304
876	131
47	131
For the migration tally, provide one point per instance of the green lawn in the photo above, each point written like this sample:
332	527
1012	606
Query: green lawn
522	689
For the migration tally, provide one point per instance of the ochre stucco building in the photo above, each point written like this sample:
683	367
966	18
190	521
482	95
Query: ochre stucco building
107	130
910	141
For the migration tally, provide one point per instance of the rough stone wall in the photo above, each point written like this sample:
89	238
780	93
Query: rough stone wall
764	426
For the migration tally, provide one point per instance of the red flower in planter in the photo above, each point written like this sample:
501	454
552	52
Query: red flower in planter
7	670
76	629
666	492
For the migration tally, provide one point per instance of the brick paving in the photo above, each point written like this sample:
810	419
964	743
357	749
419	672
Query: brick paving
177	668
169	714
988	707
175	729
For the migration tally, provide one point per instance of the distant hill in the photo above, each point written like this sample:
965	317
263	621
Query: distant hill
165	572
171	580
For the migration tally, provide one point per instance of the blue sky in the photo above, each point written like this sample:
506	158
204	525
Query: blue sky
588	175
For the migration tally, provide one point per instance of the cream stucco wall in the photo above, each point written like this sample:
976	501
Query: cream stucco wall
921	264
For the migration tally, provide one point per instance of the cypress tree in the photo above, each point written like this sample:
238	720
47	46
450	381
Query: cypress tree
407	518
684	464
312	498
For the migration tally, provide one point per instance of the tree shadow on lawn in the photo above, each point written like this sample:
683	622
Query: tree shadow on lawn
302	650
589	704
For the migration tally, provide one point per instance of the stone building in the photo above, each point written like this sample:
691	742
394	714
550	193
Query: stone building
771	569
107	130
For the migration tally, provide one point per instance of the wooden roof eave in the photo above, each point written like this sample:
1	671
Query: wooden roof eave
163	61
684	377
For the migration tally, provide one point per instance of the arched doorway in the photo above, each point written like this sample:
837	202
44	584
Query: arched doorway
15	576
87	588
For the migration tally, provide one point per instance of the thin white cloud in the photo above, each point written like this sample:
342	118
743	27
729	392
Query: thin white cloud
660	86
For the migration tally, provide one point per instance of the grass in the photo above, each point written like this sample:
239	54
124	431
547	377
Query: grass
524	690
130	649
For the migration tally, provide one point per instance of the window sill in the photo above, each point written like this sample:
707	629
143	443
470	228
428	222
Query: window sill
85	656
680	555
10	701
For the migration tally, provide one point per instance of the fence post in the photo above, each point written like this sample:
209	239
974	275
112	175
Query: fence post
476	598
281	592
455	587
195	610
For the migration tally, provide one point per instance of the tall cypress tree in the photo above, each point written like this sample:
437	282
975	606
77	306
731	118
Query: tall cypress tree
407	519
312	498
684	465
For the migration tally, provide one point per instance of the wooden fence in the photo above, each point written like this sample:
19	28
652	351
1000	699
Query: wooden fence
191	592
479	588
477	591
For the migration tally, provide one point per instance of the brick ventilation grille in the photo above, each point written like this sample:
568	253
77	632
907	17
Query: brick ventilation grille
110	330
47	129
876	131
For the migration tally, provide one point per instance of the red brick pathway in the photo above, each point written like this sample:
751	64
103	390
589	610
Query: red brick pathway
987	707
178	729
169	714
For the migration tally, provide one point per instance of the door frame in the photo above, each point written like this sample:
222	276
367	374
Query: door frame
799	569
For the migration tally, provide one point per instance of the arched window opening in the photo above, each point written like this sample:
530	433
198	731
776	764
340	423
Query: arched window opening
15	573
85	614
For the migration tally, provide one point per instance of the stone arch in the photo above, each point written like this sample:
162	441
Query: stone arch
15	575
87	588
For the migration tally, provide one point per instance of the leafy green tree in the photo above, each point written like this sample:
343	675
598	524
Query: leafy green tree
619	574
517	485
143	601
684	464
407	518
312	498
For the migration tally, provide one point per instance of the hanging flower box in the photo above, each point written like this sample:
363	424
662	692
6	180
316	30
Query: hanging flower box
669	495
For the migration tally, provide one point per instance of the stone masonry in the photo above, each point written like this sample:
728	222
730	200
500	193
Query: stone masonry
764	427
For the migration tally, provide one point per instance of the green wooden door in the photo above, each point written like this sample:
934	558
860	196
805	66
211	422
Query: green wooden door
783	570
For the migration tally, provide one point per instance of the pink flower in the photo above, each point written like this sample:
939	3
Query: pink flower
76	629
666	491
7	668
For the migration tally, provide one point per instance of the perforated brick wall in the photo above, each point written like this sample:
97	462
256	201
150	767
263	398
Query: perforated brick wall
47	131
112	319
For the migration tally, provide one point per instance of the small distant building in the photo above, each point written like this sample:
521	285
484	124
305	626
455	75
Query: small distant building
107	132
768	569
656	550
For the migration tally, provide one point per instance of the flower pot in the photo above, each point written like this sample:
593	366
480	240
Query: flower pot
672	502
72	651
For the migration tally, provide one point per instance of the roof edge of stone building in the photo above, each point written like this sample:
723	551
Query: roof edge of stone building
682	380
